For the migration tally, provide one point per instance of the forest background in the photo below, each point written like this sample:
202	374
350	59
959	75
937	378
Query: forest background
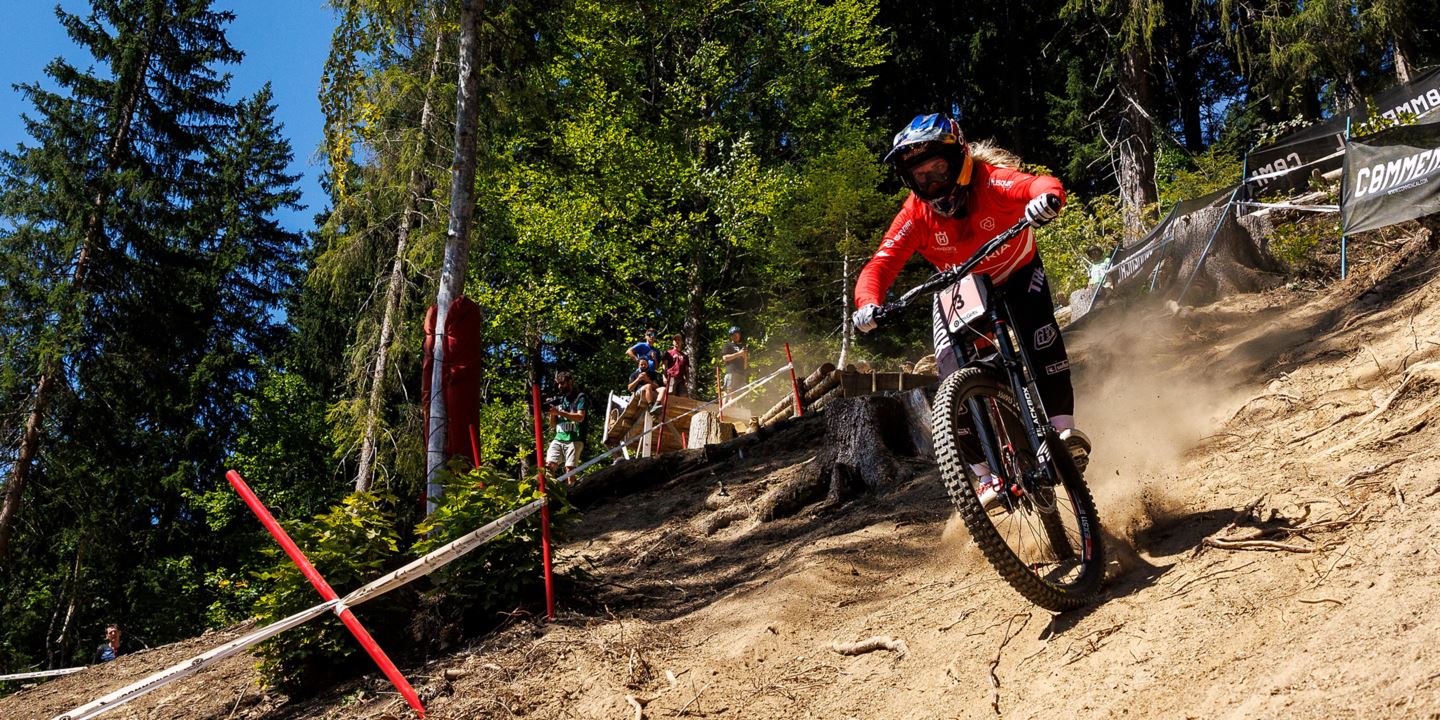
682	165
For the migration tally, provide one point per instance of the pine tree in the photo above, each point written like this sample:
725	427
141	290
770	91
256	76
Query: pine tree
111	150
142	260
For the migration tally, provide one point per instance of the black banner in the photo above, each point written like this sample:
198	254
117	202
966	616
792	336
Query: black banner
1287	164
1288	168
1390	177
1141	258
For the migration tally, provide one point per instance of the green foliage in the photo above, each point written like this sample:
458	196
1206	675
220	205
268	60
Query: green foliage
1062	243
349	544
1293	243
1375	122
496	576
1182	176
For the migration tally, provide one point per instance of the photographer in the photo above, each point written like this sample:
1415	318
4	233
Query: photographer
566	413
737	360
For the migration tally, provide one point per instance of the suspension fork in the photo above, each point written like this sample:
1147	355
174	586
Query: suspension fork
1016	363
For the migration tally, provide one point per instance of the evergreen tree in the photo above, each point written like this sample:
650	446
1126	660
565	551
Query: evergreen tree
145	266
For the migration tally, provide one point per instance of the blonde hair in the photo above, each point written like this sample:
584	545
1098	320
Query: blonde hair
988	152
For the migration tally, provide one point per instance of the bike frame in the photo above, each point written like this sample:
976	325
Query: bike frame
1014	361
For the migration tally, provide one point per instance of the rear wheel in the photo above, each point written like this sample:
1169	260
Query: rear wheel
1043	536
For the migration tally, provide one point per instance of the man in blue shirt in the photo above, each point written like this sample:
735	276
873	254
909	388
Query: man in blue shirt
110	649
646	349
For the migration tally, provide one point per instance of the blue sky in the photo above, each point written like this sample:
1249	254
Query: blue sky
284	41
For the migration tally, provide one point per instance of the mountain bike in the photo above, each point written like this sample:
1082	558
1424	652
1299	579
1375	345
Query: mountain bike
1042	534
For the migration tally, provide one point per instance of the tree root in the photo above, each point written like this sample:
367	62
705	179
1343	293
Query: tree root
1223	544
868	645
1367	472
639	705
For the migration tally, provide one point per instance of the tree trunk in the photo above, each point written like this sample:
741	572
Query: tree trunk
419	186
457	236
694	327
61	641
1187	74
1404	63
1137	145
94	231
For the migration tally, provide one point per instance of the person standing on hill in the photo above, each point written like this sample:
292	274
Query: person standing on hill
677	367
958	201
567	416
736	358
646	349
111	648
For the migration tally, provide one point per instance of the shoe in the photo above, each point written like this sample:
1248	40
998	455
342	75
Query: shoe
1079	446
988	490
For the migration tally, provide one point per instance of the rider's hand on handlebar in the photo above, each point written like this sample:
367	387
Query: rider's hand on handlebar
1042	209
864	318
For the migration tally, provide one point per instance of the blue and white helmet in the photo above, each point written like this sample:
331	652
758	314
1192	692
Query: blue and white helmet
927	137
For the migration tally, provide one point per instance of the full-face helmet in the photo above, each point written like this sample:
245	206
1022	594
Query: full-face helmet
933	160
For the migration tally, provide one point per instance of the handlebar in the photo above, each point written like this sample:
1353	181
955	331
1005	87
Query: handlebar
948	277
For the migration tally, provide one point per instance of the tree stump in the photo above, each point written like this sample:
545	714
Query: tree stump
1238	261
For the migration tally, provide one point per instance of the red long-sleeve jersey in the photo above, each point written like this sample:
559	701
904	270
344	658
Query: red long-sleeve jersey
997	200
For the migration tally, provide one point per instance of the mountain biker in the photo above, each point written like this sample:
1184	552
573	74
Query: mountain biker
958	202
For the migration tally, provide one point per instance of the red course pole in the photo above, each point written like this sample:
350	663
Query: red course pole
474	445
322	587
794	384
544	509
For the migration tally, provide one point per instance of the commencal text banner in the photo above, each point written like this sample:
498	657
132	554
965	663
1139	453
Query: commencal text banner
1286	164
1390	177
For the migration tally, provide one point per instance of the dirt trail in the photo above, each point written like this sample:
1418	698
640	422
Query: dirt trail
1302	420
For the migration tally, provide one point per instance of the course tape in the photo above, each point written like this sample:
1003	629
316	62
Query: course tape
413	571
40	674
1290	206
192	666
441	557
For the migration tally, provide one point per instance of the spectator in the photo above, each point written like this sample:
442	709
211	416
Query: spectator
567	416
646	349
644	384
1098	265
677	367
110	649
737	360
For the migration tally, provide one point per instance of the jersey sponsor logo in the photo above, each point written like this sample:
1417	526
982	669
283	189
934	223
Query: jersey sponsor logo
987	223
942	238
1045	336
995	182
1056	368
1037	280
904	230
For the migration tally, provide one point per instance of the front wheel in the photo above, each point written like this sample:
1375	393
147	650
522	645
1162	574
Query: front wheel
1043	534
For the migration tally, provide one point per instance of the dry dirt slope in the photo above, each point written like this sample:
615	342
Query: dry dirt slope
1306	420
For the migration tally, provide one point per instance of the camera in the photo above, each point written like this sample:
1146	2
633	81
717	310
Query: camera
552	402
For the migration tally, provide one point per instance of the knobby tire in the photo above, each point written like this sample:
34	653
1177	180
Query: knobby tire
972	383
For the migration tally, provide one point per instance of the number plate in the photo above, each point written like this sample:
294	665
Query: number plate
962	303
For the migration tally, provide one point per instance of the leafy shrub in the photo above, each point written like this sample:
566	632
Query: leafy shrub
495	577
351	543
1292	243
